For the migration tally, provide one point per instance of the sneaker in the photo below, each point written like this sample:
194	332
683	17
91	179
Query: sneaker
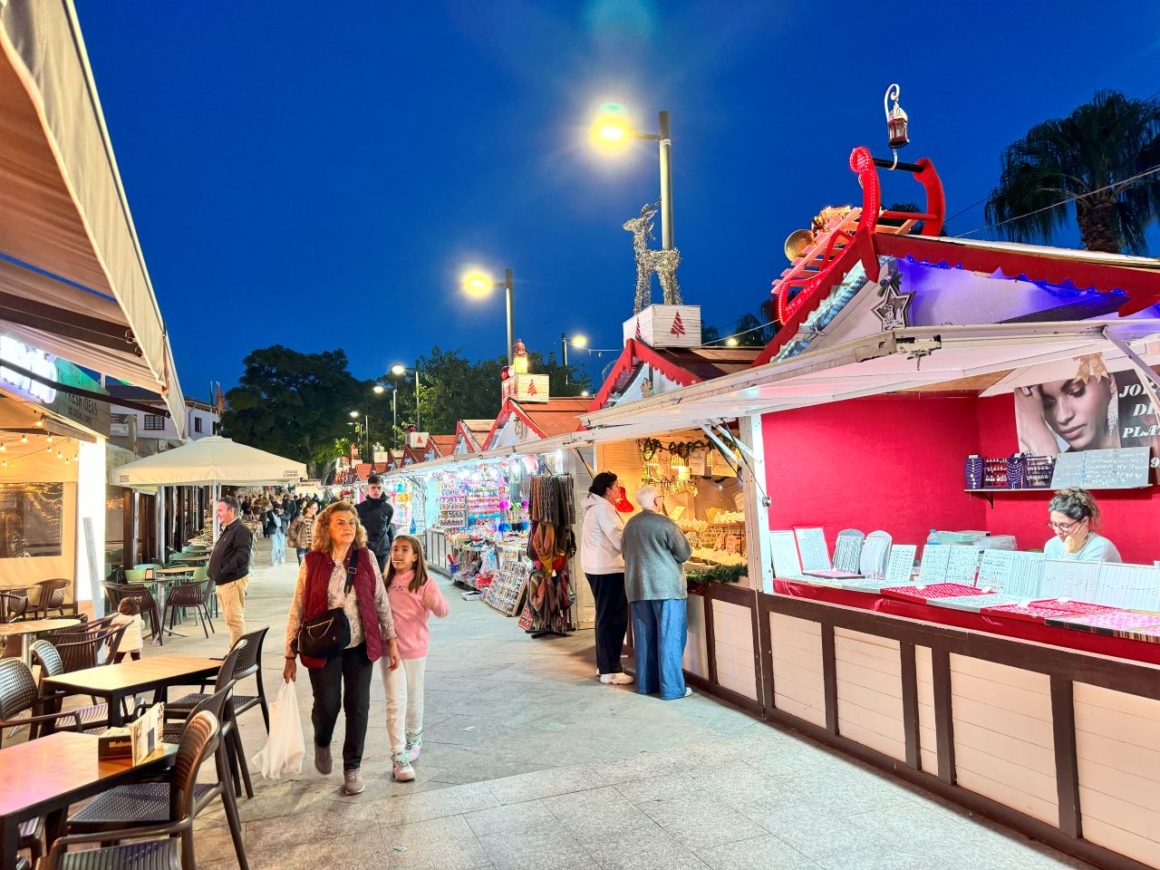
411	750
403	770
617	679
353	783
322	761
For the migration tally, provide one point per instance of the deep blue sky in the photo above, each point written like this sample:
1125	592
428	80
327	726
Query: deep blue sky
316	174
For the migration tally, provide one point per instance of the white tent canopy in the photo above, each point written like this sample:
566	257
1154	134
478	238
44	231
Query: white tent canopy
208	461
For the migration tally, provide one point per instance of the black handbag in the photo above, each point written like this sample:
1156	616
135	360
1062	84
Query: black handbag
328	634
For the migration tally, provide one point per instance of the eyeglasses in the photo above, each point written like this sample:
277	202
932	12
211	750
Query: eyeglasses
1062	527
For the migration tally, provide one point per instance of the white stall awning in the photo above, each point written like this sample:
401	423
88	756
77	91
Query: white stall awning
73	279
904	359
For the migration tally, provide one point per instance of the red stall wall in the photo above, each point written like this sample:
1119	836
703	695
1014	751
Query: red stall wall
1131	516
890	462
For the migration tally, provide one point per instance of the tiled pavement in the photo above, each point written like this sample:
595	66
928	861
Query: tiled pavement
529	762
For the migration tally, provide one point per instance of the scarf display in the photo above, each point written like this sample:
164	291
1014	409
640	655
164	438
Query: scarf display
552	511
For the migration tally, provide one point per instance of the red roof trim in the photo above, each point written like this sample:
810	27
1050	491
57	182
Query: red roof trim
637	351
510	406
468	438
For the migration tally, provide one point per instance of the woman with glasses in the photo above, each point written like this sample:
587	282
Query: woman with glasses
1073	517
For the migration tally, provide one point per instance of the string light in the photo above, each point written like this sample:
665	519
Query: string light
49	439
3	447
40	423
23	439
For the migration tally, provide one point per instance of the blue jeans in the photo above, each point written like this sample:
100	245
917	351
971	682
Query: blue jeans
659	631
277	548
302	551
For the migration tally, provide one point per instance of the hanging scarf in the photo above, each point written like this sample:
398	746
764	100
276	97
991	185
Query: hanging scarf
319	567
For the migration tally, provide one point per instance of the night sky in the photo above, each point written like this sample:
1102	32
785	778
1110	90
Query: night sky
316	175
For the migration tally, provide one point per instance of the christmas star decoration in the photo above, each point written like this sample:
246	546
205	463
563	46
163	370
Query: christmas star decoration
892	310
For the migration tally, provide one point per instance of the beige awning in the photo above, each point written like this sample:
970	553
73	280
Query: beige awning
79	287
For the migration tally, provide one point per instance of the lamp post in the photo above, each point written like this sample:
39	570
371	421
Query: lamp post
354	415
612	130
479	283
398	370
580	341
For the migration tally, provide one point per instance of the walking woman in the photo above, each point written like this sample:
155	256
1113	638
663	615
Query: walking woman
603	564
338	541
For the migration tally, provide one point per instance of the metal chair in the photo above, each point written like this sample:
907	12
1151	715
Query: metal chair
183	707
146	803
195	595
175	850
142	596
79	652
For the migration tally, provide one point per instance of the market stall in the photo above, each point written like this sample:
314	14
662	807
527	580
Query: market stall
874	419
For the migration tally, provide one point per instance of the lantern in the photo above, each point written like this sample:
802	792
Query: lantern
896	119
520	358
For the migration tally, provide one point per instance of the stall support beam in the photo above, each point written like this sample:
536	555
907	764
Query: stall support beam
756	510
1149	380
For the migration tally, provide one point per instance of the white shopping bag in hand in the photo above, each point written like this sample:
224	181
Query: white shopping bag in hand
285	746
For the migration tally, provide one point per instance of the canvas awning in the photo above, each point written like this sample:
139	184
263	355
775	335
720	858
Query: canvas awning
73	279
903	359
208	461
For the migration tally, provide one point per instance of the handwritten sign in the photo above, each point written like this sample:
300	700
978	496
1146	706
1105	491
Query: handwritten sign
1124	468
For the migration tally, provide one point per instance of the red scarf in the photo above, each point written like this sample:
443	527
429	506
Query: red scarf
319	567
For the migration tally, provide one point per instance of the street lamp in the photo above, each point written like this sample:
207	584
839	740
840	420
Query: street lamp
354	415
398	370
479	283
612	130
580	341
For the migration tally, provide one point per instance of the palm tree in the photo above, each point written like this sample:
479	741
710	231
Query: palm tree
1094	158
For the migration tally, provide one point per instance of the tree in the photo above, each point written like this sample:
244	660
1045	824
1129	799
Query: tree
751	331
294	404
1091	160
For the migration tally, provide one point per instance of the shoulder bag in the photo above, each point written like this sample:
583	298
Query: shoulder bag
328	634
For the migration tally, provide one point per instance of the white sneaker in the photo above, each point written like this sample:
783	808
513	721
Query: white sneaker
402	768
616	679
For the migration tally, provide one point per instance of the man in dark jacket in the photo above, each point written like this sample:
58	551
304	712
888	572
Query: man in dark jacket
229	566
375	512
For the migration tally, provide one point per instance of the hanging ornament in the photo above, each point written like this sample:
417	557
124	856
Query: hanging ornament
897	122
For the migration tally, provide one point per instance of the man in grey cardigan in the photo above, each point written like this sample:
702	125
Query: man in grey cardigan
655	550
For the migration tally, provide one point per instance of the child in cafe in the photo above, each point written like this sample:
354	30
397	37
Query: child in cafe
412	595
129	614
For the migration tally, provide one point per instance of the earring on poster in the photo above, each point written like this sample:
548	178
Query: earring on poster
1113	416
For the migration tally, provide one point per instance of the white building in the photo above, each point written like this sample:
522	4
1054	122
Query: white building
145	434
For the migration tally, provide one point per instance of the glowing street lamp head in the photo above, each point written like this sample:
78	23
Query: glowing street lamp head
353	414
579	341
731	341
398	370
379	389
477	282
611	129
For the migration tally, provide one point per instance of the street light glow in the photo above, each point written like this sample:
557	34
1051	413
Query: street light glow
731	341
477	282
354	415
611	129
379	389
398	370
579	340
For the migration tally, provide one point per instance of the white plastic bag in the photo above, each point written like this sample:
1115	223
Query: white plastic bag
285	747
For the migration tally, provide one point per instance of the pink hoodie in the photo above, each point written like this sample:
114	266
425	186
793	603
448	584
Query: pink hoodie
410	612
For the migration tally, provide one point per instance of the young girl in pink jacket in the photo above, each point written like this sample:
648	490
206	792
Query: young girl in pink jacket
412	595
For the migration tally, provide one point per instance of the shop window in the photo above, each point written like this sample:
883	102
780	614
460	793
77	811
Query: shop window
30	519
197	424
119	418
154	423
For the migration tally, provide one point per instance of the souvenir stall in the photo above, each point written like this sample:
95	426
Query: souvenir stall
987	673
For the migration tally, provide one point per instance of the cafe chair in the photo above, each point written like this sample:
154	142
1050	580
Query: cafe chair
50	596
15	601
182	708
79	652
93	719
18	694
250	665
194	595
147	803
142	596
168	845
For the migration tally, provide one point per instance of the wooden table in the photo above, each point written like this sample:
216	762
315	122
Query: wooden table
43	777
30	629
114	682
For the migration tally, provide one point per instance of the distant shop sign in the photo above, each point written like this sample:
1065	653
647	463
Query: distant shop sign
84	411
34	360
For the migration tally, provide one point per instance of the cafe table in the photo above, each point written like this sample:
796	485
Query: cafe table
30	629
129	678
44	777
162	579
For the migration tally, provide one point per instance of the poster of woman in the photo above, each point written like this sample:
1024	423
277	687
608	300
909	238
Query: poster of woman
1095	409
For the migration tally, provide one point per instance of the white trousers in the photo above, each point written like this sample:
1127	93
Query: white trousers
404	687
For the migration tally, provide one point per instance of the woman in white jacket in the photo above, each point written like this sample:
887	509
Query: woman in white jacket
603	564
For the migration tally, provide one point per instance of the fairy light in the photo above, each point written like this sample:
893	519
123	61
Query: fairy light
40	423
49	439
23	439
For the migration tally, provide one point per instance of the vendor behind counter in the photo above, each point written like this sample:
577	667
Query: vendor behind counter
1074	516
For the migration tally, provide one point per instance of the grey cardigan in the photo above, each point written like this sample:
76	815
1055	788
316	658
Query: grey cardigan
654	552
